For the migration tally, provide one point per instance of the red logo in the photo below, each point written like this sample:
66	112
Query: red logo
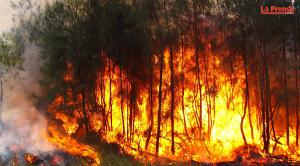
277	10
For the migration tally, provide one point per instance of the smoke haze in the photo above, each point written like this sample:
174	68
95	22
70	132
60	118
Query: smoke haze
22	124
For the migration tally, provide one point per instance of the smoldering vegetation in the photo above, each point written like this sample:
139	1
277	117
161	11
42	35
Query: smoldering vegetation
23	127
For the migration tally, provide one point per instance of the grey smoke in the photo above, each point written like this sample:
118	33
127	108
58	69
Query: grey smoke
22	124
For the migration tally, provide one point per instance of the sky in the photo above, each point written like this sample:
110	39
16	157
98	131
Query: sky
6	13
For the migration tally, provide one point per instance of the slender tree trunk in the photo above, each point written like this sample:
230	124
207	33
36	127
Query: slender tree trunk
161	64
171	63
182	76
151	104
122	98
263	101
159	101
286	96
268	102
133	94
246	97
127	113
172	101
296	80
110	95
208	96
247	102
196	42
267	96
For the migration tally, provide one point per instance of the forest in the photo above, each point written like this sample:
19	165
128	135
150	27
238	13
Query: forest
167	80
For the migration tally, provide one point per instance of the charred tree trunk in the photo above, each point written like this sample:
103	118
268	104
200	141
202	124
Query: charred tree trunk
122	98
264	108
268	100
246	96
161	65
110	95
182	76
133	105
171	64
296	79
127	112
267	97
266	146
285	95
172	101
208	94
159	101
151	104
196	43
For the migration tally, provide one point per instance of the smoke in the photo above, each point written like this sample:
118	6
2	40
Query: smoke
22	125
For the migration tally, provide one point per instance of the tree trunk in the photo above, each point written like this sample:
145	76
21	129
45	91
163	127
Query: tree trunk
296	80
286	96
246	96
263	99
171	63
159	101
151	104
208	95
160	86
172	101
122	98
110	95
182	76
198	79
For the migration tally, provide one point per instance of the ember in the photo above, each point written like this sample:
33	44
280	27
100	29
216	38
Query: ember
30	159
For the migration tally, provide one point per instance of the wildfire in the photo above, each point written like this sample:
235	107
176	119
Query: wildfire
30	159
210	134
71	146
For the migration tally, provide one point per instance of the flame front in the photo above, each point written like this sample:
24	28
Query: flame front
211	133
71	146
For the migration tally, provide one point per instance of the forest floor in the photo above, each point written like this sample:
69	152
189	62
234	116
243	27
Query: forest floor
110	156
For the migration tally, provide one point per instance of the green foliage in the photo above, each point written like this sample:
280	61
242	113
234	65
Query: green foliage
11	49
78	32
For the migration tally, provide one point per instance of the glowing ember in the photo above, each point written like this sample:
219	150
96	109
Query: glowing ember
30	159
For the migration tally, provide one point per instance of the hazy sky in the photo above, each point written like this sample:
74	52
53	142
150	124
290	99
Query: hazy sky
5	15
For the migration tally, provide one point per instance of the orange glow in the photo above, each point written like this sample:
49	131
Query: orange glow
71	146
30	159
220	138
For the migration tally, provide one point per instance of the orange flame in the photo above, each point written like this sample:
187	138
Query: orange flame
71	146
222	108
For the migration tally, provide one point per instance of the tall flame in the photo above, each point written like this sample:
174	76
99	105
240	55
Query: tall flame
222	109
